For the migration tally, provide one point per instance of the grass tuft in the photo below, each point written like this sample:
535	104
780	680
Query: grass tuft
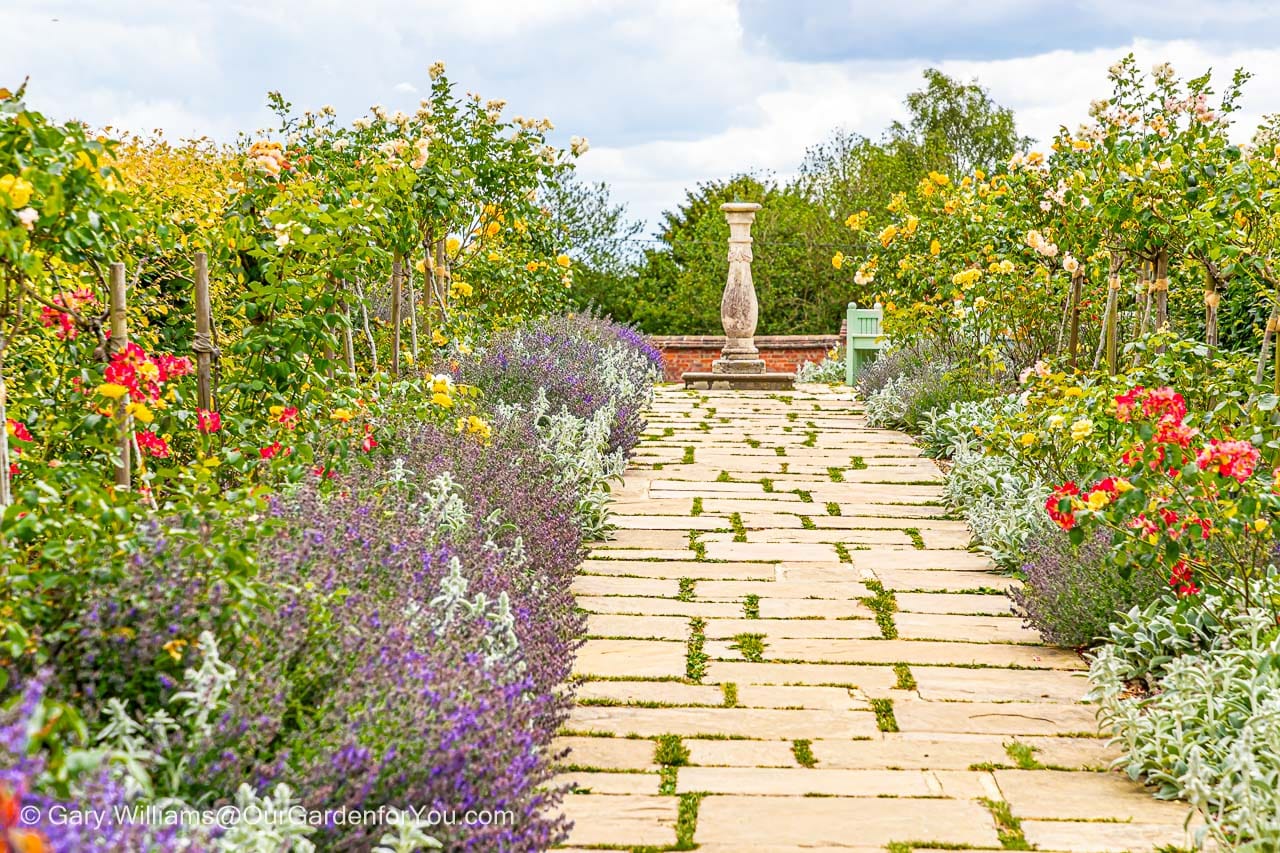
1008	827
1023	755
883	604
750	646
670	751
802	749
906	681
695	656
687	821
885	720
687	586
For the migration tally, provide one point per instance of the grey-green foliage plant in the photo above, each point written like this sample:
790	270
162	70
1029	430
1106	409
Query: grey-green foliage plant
829	371
1209	729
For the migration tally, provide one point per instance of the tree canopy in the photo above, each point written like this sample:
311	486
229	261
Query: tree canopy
674	287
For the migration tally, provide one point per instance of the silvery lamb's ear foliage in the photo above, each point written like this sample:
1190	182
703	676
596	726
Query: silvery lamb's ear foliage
888	406
829	371
1210	729
407	838
278	827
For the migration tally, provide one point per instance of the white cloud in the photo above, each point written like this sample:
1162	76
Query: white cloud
670	92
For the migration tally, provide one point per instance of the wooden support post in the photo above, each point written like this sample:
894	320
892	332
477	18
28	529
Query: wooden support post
203	344
1162	290
119	340
1073	341
6	487
397	274
413	311
1113	309
348	337
1212	298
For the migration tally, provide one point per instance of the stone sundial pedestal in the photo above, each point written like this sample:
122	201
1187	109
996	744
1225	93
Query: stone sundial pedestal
739	365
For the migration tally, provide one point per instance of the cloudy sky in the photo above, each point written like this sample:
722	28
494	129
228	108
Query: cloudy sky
669	92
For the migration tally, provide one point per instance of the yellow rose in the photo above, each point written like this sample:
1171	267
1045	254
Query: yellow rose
935	247
837	260
17	191
1081	429
1097	500
491	230
1027	439
437	338
452	245
563	260
442	400
140	412
112	391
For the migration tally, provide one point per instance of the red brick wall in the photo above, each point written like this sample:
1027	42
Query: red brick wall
781	353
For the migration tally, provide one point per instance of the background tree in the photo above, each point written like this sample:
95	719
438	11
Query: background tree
605	246
675	286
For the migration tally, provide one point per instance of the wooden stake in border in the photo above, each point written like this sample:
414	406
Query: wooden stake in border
348	336
203	344
1111	334
1162	290
1077	285
397	274
119	340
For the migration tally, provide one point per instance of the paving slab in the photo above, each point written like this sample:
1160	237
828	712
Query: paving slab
723	722
607	625
1106	837
598	782
742	753
605	753
637	821
1062	795
801	781
650	692
837	821
1012	718
646	658
774	629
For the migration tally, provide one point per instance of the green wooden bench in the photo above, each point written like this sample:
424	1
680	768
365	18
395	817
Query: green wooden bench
863	339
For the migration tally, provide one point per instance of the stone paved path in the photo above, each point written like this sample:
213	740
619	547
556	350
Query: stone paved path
791	649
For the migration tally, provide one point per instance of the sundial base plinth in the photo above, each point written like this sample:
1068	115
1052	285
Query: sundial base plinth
762	381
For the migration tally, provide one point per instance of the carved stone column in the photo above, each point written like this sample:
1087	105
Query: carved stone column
739	365
739	311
